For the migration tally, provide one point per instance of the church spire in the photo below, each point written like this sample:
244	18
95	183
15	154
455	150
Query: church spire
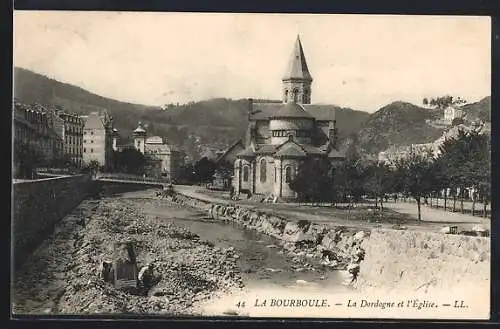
297	79
297	67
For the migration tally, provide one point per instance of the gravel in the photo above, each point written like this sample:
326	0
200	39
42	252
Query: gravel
62	275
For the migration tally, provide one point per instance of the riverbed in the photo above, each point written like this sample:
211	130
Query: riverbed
60	277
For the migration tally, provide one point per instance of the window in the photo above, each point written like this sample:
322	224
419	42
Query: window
91	132
286	95
263	170
288	174
295	95
275	175
245	173
84	150
91	150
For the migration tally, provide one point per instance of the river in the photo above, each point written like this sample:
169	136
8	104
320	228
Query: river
262	261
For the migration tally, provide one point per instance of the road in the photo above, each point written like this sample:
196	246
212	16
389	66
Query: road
433	215
433	219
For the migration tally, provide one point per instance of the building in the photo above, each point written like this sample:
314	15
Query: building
281	135
98	139
35	124
163	159
451	113
73	137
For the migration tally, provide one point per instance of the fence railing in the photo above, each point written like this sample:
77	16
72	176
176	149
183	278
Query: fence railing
130	177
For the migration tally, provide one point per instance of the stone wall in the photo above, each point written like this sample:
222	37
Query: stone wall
38	205
389	259
417	261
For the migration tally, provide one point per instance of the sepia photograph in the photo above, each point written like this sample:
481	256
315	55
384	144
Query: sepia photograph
251	165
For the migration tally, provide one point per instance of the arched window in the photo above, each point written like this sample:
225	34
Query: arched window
263	170
245	173
288	174
295	95
286	96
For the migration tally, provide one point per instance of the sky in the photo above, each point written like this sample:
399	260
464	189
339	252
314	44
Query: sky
359	61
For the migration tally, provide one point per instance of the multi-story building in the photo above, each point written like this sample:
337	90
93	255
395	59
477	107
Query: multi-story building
98	139
73	137
37	124
163	159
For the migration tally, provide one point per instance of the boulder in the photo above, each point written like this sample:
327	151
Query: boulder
317	232
359	236
479	228
294	233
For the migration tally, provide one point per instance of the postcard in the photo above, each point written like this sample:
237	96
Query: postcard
251	165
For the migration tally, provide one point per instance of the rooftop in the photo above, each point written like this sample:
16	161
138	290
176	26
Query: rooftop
297	66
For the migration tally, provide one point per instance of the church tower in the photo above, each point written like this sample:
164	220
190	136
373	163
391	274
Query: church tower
140	138
297	80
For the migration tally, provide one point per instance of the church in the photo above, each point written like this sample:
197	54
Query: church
282	135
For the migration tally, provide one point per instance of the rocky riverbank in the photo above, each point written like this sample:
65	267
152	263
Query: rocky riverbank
376	259
62	276
338	248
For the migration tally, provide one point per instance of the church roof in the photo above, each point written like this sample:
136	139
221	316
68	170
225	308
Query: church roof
291	149
247	152
264	111
336	154
291	110
297	67
266	149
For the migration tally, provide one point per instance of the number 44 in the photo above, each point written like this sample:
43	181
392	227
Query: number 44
240	304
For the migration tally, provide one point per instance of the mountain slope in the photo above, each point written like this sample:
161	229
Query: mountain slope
478	110
216	123
398	123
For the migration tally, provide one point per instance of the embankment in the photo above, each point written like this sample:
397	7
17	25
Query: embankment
396	260
38	205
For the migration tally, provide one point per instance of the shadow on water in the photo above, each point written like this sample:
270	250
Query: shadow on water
262	260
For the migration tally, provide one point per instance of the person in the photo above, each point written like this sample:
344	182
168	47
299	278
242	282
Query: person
395	197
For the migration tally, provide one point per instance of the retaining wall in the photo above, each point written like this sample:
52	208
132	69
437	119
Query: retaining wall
38	205
396	259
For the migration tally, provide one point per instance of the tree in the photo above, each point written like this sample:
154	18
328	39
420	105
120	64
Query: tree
416	174
204	170
350	177
314	180
378	180
27	158
443	102
224	170
131	161
186	173
466	163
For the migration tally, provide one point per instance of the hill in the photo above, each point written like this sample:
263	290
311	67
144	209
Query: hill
195	126
398	123
479	110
